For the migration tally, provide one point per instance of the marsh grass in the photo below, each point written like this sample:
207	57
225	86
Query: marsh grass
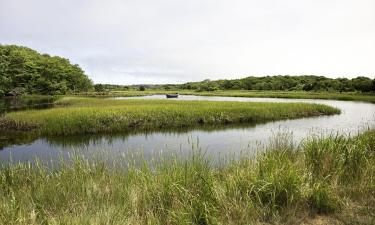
283	184
93	115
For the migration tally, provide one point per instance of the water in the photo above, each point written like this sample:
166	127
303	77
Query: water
213	141
13	104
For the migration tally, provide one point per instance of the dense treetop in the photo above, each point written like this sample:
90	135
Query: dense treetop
23	70
286	83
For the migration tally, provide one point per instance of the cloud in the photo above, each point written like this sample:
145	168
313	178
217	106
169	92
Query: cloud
169	41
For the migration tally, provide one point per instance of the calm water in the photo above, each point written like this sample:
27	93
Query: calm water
13	104
354	118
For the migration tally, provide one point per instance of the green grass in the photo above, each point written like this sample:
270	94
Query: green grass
332	179
96	115
350	96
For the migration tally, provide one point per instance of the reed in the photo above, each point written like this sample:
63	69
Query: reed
284	184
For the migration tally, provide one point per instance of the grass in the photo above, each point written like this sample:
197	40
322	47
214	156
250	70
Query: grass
323	181
96	115
345	96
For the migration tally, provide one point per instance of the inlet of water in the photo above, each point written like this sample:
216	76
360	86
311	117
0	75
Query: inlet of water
215	141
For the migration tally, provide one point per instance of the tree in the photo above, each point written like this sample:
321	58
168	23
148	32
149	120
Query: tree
207	85
305	82
142	88
363	84
22	68
99	88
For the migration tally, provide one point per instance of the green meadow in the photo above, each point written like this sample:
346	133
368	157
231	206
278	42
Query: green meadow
75	115
321	181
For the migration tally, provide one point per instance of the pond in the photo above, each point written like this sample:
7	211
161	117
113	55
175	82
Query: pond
213	141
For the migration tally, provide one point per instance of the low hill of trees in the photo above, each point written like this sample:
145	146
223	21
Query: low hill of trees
25	71
286	83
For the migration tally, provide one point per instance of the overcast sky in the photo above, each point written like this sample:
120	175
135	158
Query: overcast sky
174	41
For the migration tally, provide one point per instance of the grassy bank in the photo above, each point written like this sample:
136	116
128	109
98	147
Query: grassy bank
322	181
93	115
257	94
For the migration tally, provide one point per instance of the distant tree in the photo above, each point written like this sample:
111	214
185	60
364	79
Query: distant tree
307	87
227	84
363	84
99	88
167	87
142	88
305	82
208	86
373	85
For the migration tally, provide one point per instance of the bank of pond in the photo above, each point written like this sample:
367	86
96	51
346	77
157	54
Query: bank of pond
191	160
327	180
218	137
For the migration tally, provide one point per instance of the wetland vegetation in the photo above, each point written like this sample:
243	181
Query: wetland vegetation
323	180
96	115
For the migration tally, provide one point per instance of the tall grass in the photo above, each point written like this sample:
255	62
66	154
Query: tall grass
284	184
90	115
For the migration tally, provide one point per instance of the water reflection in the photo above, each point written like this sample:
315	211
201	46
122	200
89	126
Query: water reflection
8	104
212	140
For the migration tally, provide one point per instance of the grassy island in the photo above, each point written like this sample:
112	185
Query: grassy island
75	115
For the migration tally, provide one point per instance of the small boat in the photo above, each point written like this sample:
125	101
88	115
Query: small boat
172	95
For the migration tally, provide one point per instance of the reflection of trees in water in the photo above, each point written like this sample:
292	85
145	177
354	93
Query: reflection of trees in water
16	138
8	104
82	141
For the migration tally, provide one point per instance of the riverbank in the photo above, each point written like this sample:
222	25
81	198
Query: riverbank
330	180
344	96
74	115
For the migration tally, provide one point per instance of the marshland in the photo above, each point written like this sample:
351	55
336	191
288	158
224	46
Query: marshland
257	150
294	177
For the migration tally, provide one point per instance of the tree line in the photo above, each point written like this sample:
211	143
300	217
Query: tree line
26	71
286	83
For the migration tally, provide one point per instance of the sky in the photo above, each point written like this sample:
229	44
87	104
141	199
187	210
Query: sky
176	41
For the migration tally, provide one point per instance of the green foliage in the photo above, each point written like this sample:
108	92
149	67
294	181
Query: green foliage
91	115
24	69
142	88
285	83
99	88
207	85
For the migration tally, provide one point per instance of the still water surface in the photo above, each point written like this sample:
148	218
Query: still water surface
354	117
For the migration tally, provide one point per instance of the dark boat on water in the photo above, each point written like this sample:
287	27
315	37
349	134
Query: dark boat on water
172	95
